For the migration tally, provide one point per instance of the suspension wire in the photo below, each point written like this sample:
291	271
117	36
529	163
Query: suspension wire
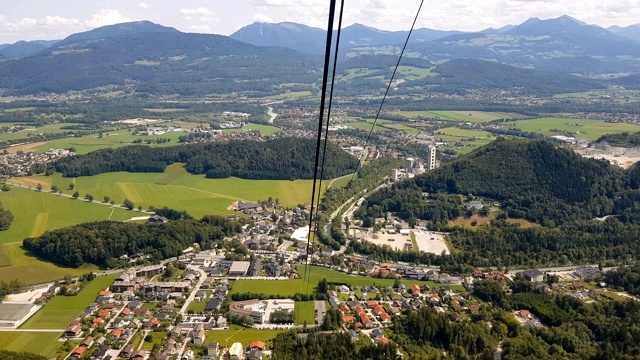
386	92
326	129
325	75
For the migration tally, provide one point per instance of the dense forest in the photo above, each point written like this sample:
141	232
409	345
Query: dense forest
625	277
103	243
624	139
283	158
6	218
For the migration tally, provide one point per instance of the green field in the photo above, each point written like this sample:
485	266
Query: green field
110	139
357	72
178	189
580	128
198	307
61	310
41	343
266	130
36	212
287	288
305	311
460	116
415	73
366	126
470	139
239	334
157	336
32	130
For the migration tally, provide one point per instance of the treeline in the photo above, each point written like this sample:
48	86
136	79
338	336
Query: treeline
315	345
10	287
262	296
13	355
283	158
625	139
103	243
6	218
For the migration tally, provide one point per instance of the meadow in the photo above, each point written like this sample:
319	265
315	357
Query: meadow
41	343
240	334
61	310
178	189
288	288
110	139
305	312
265	130
459	116
580	128
471	139
30	129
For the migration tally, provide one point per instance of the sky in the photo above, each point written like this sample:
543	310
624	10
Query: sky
48	19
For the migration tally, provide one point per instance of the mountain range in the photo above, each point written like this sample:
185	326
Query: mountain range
162	60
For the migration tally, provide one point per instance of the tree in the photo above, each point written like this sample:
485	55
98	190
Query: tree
6	187
107	199
139	207
323	286
148	338
72	186
89	197
128	204
39	187
76	195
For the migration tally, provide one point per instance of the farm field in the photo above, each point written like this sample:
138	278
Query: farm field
110	139
30	129
366	126
36	212
471	139
482	220
580	128
462	116
61	310
240	334
265	130
180	190
414	73
288	288
41	343
305	311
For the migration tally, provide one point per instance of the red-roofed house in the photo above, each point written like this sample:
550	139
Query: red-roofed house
383	340
378	309
116	333
72	330
97	321
415	290
372	304
126	312
385	317
103	314
257	344
344	308
347	319
77	352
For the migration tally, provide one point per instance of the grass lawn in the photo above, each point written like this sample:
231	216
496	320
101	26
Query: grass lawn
36	212
305	311
364	125
158	336
240	334
180	190
264	129
198	307
41	343
61	310
414	73
469	139
30	129
580	128
287	288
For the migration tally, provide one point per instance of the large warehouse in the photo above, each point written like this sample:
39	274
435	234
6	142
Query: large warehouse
13	315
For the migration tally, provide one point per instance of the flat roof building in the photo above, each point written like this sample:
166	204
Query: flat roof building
239	268
13	315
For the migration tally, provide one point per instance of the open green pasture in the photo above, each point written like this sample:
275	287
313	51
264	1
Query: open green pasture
240	334
110	139
357	72
415	73
305	311
41	343
264	129
61	310
36	212
287	288
33	130
580	128
178	189
468	139
459	116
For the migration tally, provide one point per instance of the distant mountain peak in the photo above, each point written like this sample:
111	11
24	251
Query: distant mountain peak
110	31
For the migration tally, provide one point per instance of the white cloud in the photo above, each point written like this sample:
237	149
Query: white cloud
2	18
262	18
58	21
106	17
202	28
201	13
143	5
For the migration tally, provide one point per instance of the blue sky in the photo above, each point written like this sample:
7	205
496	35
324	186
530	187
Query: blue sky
46	19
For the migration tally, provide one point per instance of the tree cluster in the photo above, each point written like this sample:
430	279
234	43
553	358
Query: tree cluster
6	218
103	243
289	346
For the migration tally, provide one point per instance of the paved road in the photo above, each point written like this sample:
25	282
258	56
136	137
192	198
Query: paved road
321	308
203	276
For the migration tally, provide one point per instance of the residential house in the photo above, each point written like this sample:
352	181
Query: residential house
533	275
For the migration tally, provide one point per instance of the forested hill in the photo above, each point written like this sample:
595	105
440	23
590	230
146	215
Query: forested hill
624	139
12	355
536	179
278	159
